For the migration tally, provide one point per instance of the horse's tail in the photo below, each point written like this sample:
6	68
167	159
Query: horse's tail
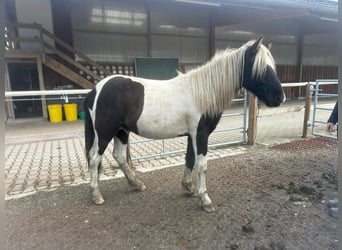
89	134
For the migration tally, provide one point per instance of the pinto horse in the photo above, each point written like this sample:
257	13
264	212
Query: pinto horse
189	105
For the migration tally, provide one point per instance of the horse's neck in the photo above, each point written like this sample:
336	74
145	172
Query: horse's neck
214	84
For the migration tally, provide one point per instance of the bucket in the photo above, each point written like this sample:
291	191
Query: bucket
55	112
81	115
70	111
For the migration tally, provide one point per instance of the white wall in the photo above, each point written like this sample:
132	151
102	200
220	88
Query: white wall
33	11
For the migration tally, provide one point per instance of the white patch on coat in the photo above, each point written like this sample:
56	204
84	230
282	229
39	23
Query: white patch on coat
201	185
169	109
119	151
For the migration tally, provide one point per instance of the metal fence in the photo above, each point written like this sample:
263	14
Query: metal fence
232	128
322	112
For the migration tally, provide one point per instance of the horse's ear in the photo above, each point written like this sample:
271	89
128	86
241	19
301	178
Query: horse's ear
257	44
269	44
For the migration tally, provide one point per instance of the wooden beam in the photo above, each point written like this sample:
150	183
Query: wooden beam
300	45
307	110
18	54
212	48
8	105
41	85
252	118
149	31
72	61
68	73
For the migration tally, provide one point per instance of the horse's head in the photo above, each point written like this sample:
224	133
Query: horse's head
259	76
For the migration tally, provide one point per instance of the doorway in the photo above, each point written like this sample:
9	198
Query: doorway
24	77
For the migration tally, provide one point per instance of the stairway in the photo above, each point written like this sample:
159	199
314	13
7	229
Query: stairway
50	55
67	72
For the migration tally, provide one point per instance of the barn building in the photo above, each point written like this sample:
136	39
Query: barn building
72	44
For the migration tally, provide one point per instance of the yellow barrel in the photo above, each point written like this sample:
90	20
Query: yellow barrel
55	112
70	111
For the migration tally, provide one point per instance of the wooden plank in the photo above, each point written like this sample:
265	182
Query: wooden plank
307	111
66	72
42	86
8	105
17	54
76	52
72	61
252	118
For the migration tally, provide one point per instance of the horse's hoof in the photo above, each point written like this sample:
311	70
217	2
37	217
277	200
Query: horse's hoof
97	197
189	189
208	208
98	200
190	193
139	186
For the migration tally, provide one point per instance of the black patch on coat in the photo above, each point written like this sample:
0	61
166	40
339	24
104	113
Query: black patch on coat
123	136
190	154
205	127
119	107
268	88
88	124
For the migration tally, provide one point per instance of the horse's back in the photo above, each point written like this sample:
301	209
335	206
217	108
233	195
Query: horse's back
151	108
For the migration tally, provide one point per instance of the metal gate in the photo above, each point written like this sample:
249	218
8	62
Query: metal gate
232	129
321	112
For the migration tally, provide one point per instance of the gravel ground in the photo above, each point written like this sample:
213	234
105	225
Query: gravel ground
268	198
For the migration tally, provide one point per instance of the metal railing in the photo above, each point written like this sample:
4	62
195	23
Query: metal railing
223	135
231	130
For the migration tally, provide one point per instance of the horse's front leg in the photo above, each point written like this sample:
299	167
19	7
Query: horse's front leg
205	201
189	165
196	158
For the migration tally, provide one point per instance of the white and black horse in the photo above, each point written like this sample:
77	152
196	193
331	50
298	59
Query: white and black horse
189	105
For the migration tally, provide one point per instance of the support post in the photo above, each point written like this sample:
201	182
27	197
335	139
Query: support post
41	85
252	118
307	111
149	31
212	48
300	46
8	104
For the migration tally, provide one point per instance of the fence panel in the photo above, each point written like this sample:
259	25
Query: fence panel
322	112
230	130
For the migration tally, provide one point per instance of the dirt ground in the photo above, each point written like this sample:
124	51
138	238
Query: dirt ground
269	198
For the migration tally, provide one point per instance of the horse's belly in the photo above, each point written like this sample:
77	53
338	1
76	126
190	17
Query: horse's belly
161	126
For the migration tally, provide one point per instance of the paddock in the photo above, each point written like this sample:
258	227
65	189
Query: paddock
270	197
271	172
254	208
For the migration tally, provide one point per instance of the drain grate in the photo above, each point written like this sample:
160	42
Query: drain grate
317	142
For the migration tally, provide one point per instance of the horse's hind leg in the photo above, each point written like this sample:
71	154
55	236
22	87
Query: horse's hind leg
120	155
94	160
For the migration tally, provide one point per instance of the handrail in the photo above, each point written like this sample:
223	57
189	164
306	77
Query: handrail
296	84
84	91
71	49
44	44
73	62
46	92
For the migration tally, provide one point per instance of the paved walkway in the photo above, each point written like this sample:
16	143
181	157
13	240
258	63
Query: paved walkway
43	156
